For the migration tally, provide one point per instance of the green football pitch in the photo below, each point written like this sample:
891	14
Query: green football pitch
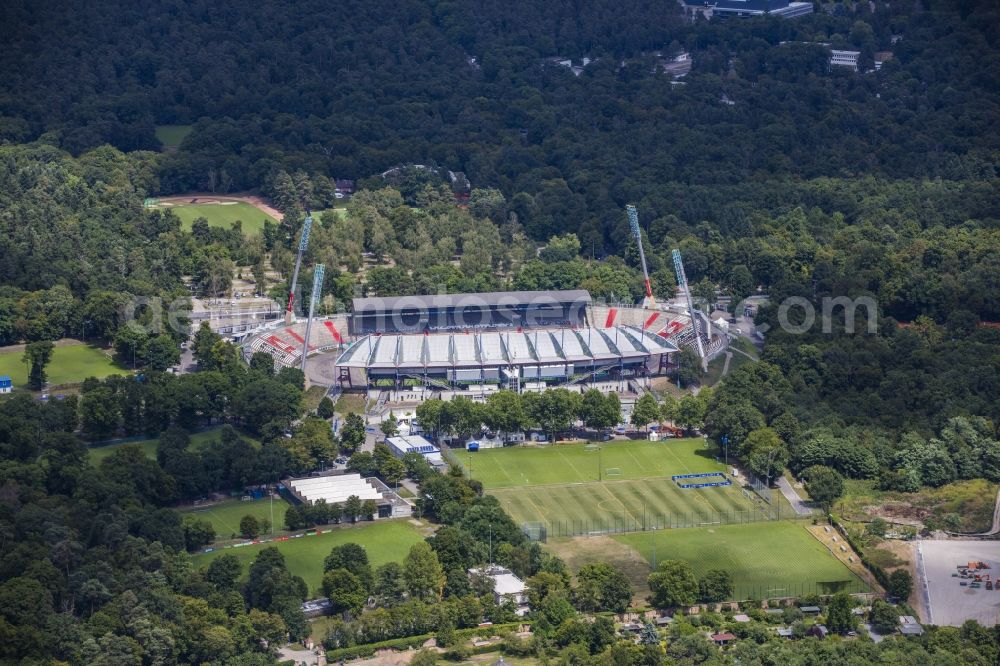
225	516
614	486
768	559
223	215
69	365
384	541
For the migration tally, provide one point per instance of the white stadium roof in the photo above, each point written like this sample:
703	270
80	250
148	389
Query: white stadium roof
503	348
333	488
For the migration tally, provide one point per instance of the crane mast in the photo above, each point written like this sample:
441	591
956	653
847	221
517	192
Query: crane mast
633	222
683	284
318	271
303	244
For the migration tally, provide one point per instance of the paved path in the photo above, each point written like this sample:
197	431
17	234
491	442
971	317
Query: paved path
799	504
725	366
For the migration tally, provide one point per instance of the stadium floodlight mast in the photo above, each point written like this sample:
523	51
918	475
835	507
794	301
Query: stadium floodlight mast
683	284
633	222
303	244
318	271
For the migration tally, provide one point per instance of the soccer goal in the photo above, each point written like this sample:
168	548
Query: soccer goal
613	472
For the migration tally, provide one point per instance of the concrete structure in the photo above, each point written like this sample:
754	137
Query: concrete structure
518	360
6	384
948	603
782	8
506	586
909	626
847	59
464	312
402	445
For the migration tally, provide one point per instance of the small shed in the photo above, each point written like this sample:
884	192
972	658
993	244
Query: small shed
817	630
811	610
6	384
723	638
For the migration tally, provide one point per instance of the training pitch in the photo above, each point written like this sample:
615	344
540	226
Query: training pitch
766	560
384	540
225	516
70	364
223	214
614	486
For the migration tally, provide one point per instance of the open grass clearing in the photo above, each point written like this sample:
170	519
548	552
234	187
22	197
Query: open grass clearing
384	541
349	403
171	136
578	551
148	445
70	364
225	516
766	559
223	214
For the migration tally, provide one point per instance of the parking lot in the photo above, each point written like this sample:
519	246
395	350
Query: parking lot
949	602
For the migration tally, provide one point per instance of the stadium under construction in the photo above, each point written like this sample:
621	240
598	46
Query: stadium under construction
412	346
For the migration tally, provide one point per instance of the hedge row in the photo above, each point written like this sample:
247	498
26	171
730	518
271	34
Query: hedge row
405	643
877	571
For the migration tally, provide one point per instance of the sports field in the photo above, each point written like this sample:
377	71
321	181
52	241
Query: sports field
384	540
223	214
767	559
225	516
614	486
148	446
69	365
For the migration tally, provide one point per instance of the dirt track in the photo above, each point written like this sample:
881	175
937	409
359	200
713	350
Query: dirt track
208	197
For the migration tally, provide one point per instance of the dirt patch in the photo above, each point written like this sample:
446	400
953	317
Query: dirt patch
837	544
578	551
208	197
64	342
907	552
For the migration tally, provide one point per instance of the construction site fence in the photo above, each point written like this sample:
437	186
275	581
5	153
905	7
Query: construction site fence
629	523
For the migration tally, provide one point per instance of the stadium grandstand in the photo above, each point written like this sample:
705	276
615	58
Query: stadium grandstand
477	343
454	312
522	359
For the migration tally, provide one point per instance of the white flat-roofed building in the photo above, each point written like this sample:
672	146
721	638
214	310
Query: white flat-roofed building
844	59
506	586
402	445
337	488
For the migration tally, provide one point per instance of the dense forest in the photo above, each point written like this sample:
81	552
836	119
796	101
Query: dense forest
770	170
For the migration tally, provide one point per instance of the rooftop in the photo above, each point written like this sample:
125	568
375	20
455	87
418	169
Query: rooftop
503	348
495	298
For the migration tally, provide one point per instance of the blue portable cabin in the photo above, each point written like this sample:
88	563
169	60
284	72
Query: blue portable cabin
6	384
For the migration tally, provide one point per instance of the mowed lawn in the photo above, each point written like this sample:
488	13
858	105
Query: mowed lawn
69	365
559	485
767	559
148	446
519	466
384	541
223	215
225	516
172	135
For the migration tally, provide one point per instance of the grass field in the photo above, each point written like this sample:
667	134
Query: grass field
148	446
624	485
69	365
223	215
172	135
225	516
385	541
772	559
